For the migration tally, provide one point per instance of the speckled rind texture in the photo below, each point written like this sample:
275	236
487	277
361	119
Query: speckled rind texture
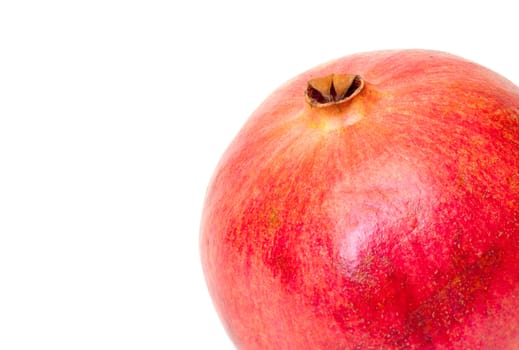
388	223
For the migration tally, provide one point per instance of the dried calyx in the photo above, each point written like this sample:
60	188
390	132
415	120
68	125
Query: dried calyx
333	89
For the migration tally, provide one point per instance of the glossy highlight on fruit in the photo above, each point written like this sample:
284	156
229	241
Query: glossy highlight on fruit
371	203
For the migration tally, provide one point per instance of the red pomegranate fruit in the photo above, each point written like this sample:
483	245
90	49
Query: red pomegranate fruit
371	203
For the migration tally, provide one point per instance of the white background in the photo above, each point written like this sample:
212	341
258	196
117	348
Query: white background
113	115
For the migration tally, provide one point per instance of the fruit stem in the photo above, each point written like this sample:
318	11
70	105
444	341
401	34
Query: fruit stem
333	89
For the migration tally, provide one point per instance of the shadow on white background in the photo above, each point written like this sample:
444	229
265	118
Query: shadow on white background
113	115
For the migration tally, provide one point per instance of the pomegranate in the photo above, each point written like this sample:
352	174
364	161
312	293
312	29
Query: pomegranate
371	203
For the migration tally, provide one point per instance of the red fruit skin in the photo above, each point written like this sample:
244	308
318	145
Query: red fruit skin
391	223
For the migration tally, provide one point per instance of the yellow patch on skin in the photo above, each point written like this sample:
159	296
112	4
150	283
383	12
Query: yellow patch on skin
273	219
335	123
